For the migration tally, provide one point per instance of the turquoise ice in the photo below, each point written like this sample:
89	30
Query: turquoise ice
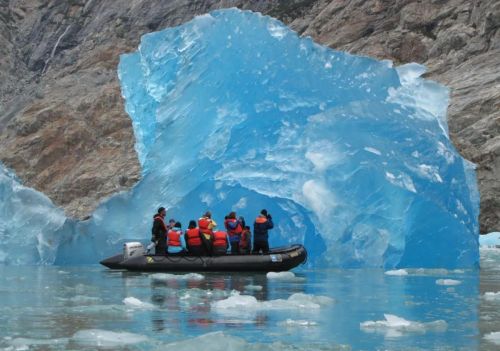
234	111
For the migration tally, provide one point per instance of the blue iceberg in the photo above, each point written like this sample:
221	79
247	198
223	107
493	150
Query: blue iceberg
234	111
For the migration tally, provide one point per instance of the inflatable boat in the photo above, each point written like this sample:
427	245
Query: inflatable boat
134	258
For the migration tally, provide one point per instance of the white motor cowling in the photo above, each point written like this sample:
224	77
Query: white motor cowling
132	249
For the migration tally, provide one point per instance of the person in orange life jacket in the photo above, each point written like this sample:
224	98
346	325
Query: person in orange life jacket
194	241
262	224
206	225
234	228
246	241
175	240
220	242
159	232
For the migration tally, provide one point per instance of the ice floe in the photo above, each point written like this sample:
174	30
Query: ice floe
448	282
81	299
136	303
283	276
106	338
492	296
168	276
251	287
397	272
493	337
394	326
297	323
246	303
20	344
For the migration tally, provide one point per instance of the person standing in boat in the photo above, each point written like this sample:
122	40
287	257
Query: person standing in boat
261	226
175	240
193	240
206	225
234	229
159	232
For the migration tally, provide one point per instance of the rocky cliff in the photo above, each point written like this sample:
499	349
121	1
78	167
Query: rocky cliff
64	130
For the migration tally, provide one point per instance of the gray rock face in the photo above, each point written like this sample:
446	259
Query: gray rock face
64	131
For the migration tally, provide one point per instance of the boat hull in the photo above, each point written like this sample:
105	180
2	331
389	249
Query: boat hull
279	259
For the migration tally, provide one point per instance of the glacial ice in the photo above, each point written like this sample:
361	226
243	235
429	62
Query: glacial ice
237	304
395	326
448	282
490	240
134	302
234	111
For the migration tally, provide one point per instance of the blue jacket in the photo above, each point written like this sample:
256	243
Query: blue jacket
177	249
260	227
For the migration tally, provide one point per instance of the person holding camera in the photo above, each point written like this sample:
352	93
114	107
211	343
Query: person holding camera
262	224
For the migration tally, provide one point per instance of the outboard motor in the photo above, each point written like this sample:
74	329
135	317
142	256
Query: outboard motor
132	249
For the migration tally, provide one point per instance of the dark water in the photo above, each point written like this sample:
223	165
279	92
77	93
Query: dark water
90	307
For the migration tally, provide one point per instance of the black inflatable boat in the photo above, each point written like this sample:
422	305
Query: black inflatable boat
277	260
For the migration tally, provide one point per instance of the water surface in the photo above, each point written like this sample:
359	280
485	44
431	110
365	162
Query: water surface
91	307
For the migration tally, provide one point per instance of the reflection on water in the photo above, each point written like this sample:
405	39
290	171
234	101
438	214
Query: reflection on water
62	308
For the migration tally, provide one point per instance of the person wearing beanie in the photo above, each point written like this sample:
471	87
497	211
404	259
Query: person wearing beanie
159	232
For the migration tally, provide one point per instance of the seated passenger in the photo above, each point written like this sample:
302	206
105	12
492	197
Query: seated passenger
175	240
193	240
246	241
206	225
234	229
220	243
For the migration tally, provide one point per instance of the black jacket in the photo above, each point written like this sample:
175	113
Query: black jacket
260	227
159	229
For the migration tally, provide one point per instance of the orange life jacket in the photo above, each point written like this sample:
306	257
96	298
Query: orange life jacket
235	231
174	238
220	239
204	225
193	237
260	220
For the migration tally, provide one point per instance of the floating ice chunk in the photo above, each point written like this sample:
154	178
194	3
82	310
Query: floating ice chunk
297	323
20	344
246	303
282	276
82	299
490	240
493	337
251	287
168	276
105	338
448	282
136	303
397	272
211	342
492	296
394	326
